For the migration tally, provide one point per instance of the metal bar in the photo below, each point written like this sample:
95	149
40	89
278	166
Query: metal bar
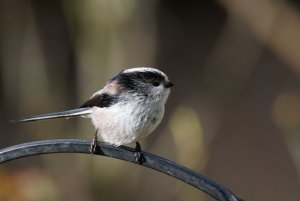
152	161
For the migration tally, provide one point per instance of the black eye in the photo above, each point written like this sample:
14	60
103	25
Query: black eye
156	83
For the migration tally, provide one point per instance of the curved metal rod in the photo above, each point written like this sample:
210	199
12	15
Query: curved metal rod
152	161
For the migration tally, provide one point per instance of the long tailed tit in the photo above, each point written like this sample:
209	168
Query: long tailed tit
128	108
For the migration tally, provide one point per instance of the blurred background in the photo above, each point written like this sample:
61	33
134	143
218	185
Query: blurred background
233	115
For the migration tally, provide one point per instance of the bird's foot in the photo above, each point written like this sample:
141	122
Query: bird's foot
139	157
94	144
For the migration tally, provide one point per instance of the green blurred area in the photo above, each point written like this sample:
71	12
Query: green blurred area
233	114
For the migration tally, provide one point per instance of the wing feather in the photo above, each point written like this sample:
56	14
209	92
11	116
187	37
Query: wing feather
101	100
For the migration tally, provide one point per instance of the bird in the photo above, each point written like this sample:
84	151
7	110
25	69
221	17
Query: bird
127	109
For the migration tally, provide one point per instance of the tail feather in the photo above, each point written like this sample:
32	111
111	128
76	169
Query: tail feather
68	113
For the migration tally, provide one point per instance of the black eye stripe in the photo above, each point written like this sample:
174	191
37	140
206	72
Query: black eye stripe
156	83
148	76
130	80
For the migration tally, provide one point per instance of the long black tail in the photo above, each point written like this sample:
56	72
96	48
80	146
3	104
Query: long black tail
68	113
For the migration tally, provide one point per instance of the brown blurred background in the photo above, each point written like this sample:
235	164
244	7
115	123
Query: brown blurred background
233	115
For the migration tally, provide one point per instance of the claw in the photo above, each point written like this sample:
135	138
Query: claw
139	157
93	146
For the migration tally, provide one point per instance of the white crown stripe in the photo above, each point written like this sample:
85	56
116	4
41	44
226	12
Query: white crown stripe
145	69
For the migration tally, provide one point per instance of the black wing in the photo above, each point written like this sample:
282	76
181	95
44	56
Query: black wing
101	100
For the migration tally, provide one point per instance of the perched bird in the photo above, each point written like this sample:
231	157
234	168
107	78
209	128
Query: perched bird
128	108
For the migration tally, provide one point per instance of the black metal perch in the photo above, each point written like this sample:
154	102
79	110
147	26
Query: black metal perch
152	161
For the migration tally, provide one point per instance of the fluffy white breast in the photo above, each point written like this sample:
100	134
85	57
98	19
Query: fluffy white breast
128	122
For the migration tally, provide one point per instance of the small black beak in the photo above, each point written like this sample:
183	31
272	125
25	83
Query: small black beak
169	84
